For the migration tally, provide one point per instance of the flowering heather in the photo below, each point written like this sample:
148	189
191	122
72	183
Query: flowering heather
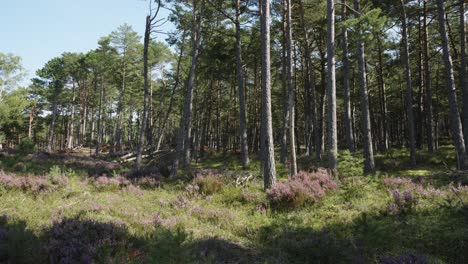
74	240
402	203
408	185
34	184
148	182
250	197
110	183
406	259
300	188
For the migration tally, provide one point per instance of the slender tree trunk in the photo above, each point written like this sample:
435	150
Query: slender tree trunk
50	139
240	84
331	85
284	130
347	96
141	138
369	166
428	82
463	73
383	97
99	128
409	89
455	121
183	141
291	94
174	88
267	147
72	118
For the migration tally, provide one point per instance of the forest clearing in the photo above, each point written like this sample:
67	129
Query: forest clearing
292	131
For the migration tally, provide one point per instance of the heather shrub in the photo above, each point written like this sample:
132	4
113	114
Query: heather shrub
300	189
409	258
33	184
74	240
208	184
25	147
402	203
104	183
148	182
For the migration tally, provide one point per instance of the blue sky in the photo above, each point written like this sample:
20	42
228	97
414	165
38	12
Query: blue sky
38	30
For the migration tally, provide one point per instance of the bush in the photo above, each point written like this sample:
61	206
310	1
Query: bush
208	184
299	189
73	240
402	203
350	165
104	183
26	146
34	184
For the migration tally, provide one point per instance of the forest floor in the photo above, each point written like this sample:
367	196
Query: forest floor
63	212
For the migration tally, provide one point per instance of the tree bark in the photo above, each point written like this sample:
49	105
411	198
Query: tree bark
347	95
141	137
240	84
455	122
291	93
369	166
428	83
409	90
463	73
331	85
267	148
183	141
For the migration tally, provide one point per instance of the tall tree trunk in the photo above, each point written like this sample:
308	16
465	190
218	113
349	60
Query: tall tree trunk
267	148
311	82
72	118
347	96
284	130
409	89
383	97
455	121
291	94
240	84
99	128
141	138
331	85
428	82
50	139
463	73
174	88
183	141
369	166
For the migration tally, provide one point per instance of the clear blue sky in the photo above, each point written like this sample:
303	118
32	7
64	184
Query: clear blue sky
38	30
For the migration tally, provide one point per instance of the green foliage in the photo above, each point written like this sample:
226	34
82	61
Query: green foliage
25	147
350	165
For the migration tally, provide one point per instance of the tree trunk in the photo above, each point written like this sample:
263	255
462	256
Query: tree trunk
428	82
347	96
72	118
463	73
331	85
141	138
455	121
369	166
409	91
291	99
183	141
267	148
284	130
240	84
50	139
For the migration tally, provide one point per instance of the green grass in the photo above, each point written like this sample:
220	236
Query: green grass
349	225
